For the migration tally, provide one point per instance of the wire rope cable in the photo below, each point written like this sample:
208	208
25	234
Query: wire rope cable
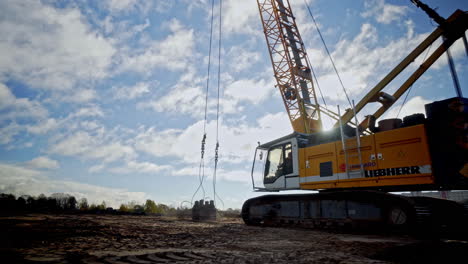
215	195
201	168
409	90
328	52
316	81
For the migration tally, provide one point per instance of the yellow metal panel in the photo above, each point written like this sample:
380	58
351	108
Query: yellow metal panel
404	147
367	154
319	154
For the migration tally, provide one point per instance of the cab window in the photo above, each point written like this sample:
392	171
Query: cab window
279	162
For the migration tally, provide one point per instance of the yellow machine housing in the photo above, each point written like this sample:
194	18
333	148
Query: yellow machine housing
390	158
418	153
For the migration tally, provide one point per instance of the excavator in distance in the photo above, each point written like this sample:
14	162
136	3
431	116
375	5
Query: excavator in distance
354	167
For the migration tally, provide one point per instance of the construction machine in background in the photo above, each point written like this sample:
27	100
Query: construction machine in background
356	165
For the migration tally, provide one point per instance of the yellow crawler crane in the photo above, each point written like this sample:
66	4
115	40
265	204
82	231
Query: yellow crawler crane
355	165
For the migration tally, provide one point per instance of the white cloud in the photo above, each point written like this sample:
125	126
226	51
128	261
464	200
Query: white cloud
131	92
221	174
383	12
13	177
120	5
92	147
6	97
111	152
17	111
122	31
254	91
163	6
15	108
140	167
80	96
23	181
238	140
457	50
240	17
172	53
43	163
90	125
413	106
50	48
89	111
142	6
185	97
157	143
361	62
75	144
241	59
8	132
173	102
43	126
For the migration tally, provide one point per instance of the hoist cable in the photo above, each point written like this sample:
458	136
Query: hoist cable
201	169
209	66
409	90
316	81
328	52
217	105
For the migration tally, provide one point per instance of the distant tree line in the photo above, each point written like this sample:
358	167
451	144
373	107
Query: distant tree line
55	203
150	207
65	203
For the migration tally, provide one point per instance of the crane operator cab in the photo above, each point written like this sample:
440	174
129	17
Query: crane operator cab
276	162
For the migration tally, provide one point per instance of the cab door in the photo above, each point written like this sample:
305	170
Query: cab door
281	169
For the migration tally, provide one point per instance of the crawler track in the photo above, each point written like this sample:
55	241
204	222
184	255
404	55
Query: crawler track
356	209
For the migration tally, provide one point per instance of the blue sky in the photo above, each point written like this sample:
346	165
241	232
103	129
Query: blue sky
105	99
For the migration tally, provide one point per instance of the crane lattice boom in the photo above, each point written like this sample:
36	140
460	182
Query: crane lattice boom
290	65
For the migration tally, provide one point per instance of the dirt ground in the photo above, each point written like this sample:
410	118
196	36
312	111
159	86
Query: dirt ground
149	239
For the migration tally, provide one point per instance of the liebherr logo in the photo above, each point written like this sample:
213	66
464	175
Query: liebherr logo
393	171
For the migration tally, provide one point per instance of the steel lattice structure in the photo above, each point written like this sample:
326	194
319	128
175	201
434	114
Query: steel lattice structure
290	65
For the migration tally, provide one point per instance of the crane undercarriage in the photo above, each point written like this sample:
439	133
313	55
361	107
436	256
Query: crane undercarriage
356	209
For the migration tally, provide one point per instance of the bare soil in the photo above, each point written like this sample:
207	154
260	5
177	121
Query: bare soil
150	239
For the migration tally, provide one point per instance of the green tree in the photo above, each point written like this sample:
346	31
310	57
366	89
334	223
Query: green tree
151	207
83	204
163	209
124	208
102	206
138	209
71	203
